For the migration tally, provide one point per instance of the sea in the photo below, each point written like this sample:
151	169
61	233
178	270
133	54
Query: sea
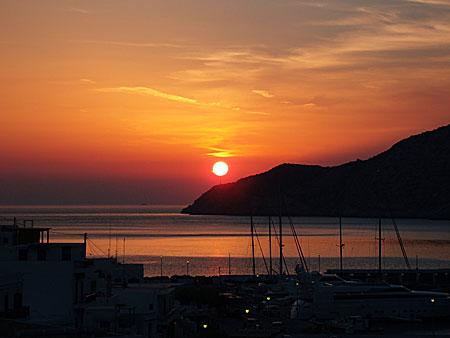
169	243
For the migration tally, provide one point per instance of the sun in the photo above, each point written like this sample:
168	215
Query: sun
220	168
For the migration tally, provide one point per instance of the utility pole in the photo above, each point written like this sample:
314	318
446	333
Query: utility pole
253	246
117	246
281	244
340	241
379	247
123	258
319	263
270	248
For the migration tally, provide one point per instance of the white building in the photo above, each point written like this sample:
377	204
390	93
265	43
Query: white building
46	269
59	285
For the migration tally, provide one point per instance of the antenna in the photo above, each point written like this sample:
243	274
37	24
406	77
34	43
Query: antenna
123	264
117	250
123	259
109	244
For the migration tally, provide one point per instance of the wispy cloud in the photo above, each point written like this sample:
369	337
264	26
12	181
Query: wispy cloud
171	97
129	44
347	32
258	113
432	2
238	54
148	91
263	93
78	10
218	152
89	81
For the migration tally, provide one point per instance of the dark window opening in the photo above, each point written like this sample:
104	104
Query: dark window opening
17	301
66	254
41	254
104	325
23	255
93	285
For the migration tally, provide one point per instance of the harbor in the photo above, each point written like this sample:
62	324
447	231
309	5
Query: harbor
57	289
224	169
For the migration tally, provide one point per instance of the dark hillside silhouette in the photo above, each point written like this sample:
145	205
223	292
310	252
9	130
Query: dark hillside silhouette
411	179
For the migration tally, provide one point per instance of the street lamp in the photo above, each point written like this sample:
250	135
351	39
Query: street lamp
187	268
432	317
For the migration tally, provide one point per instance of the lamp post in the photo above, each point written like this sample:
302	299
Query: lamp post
432	317
319	262
161	265
187	268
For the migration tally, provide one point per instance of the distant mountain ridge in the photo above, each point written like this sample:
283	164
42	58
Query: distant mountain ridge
411	179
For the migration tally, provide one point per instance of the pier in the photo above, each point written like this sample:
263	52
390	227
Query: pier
436	279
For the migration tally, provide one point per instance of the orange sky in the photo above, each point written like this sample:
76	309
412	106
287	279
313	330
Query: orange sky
108	101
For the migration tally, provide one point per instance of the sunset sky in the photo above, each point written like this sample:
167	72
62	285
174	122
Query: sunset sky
108	101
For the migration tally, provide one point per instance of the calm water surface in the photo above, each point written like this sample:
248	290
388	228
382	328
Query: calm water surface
143	234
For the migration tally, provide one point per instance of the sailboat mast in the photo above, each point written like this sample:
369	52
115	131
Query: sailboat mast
253	246
340	242
281	245
379	246
270	248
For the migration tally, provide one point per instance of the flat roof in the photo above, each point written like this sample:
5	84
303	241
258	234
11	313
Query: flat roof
15	228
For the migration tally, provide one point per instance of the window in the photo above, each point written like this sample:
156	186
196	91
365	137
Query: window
93	285
23	255
17	301
161	305
103	324
66	253
41	254
150	332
